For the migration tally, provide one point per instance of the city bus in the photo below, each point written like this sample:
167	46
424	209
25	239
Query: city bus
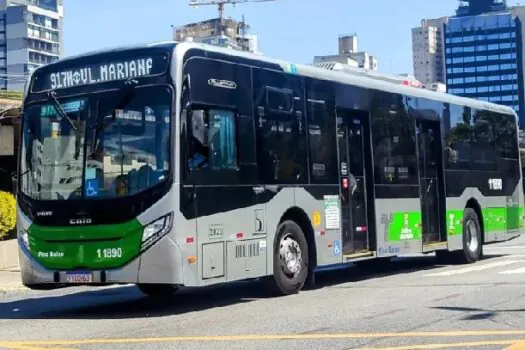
179	164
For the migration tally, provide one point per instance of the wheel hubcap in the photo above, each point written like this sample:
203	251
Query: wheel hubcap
290	255
472	236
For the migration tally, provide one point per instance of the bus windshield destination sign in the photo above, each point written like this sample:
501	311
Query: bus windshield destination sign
100	73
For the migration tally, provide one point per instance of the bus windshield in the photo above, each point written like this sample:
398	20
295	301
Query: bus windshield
98	146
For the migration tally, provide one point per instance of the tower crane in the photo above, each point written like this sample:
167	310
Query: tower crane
220	4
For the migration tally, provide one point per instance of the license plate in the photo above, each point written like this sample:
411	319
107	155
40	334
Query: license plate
79	277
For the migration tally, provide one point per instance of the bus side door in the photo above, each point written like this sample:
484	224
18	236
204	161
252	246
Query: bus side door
431	180
352	126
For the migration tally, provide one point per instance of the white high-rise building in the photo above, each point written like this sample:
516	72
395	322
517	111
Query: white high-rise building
31	35
427	51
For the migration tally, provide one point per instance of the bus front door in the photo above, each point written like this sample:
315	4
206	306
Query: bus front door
350	135
431	182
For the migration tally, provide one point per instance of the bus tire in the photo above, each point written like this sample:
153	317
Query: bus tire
157	290
291	258
471	237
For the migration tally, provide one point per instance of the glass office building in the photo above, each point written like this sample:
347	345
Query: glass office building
483	58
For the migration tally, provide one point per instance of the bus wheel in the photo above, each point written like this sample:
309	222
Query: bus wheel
290	262
471	237
157	290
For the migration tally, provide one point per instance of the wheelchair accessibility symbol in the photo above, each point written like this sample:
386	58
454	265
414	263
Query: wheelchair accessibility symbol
91	187
337	248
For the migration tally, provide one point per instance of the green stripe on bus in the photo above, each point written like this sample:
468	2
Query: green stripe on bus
104	246
495	219
407	225
454	222
514	218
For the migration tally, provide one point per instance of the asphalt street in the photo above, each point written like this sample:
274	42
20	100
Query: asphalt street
409	303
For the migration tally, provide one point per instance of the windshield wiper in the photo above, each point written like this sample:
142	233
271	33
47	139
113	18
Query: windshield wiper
124	94
60	110
63	114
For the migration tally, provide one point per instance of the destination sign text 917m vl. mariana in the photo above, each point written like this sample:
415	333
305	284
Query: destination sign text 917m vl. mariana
100	72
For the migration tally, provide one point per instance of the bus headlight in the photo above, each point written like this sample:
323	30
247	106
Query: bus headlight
156	230
24	239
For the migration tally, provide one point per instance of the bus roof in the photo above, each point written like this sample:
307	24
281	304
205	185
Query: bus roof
357	79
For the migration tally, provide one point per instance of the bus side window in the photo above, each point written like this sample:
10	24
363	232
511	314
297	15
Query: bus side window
222	140
214	140
199	140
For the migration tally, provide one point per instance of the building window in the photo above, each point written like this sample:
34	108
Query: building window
508	66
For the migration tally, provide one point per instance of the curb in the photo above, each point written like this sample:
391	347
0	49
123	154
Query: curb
10	269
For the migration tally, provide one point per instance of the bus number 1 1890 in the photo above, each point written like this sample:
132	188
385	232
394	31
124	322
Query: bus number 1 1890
109	253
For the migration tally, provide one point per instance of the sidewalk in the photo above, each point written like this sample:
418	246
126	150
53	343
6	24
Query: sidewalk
8	254
10	280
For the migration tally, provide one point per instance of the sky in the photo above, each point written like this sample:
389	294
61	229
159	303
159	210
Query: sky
286	29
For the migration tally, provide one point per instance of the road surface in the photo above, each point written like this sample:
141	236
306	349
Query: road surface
409	303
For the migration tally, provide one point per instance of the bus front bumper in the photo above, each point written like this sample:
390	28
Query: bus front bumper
162	263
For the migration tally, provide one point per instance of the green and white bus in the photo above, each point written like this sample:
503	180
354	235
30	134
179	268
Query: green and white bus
182	164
